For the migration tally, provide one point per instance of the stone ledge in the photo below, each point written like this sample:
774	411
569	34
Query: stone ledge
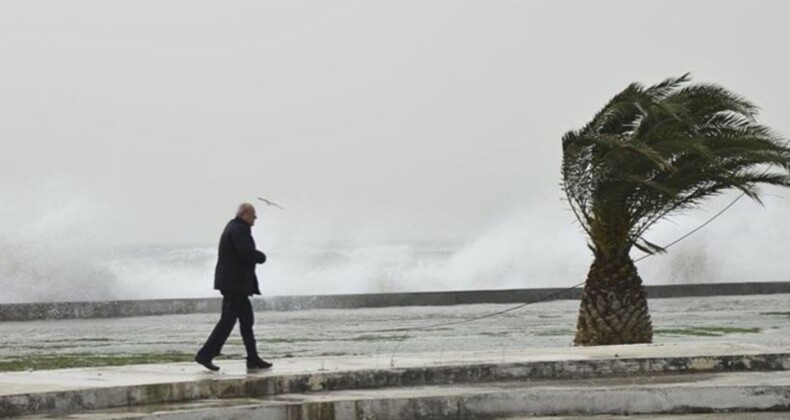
662	394
130	386
131	308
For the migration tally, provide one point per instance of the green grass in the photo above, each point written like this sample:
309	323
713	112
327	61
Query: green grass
784	314
284	340
495	334
553	333
77	360
373	338
333	354
706	331
293	340
78	340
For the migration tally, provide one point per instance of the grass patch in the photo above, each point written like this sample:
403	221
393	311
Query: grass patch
281	340
294	340
78	360
784	314
57	346
371	337
553	333
495	334
707	331
79	340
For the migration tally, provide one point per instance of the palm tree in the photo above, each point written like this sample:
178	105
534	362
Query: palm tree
648	153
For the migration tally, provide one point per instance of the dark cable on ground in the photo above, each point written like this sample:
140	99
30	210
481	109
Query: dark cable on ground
491	315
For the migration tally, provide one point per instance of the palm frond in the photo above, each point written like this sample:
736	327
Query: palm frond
654	150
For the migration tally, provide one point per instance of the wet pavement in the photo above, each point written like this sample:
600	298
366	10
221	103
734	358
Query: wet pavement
651	378
760	319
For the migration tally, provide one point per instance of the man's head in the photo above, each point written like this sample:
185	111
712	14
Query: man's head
246	212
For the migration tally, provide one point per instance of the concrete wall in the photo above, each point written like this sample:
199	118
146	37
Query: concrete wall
128	308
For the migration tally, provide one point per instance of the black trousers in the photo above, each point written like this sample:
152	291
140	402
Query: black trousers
233	307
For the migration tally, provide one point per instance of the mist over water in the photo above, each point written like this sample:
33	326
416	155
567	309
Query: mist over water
51	246
62	248
63	257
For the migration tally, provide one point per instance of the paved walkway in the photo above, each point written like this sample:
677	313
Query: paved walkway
70	390
12	383
714	416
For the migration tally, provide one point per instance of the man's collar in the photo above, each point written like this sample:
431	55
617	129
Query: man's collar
238	218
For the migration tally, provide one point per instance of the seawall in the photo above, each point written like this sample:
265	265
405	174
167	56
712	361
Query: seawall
131	308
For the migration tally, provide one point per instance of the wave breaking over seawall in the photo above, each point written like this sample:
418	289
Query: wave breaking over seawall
68	252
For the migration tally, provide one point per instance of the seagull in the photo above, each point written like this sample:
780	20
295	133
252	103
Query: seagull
270	203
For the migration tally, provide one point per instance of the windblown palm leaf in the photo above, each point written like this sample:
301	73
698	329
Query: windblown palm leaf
649	152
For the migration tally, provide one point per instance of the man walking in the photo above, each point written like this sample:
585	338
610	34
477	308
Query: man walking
235	279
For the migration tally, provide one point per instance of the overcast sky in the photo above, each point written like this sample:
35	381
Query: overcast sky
409	119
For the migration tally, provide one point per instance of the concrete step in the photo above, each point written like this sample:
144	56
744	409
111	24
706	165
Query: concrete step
644	395
71	390
750	415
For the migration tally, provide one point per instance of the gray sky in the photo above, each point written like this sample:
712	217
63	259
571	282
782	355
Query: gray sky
404	119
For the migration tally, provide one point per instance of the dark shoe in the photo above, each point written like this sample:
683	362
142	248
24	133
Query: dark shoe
257	364
206	363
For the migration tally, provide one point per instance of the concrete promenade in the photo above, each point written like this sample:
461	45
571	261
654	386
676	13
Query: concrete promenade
638	379
130	308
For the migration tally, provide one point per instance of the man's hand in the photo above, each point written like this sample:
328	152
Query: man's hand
260	257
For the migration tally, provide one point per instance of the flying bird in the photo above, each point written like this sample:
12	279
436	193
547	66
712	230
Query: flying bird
270	203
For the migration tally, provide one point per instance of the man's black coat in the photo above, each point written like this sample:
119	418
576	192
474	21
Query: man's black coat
235	271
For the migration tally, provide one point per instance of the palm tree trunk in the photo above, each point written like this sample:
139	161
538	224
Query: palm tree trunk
613	305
